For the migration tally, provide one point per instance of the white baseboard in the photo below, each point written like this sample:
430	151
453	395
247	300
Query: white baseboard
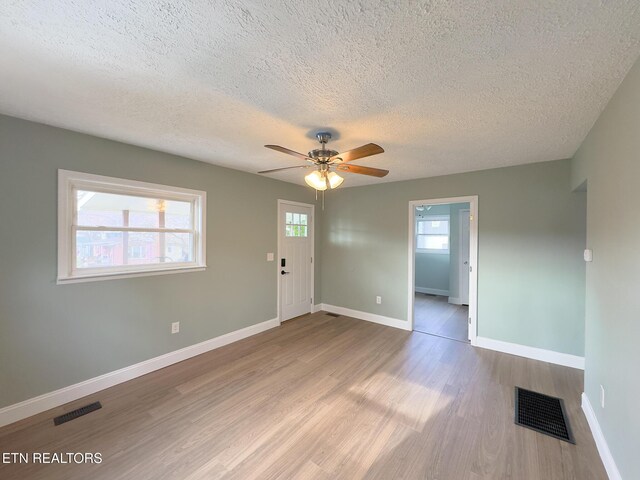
550	356
601	443
455	301
32	406
432	291
369	317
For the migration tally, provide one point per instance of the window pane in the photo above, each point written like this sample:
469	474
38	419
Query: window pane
433	242
147	247
179	247
439	226
99	209
303	218
107	249
437	242
289	231
110	210
433	227
178	214
289	217
98	249
303	231
296	218
143	219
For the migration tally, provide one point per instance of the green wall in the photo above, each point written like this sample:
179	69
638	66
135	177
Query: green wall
531	275
52	336
531	238
609	159
432	271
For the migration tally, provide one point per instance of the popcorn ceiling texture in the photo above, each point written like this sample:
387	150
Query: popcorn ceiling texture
443	86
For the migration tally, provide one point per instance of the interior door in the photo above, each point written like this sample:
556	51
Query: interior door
295	259
464	257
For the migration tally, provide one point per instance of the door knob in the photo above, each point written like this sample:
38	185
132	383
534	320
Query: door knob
466	263
284	273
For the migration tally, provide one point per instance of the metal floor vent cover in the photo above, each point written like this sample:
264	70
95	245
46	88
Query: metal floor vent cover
543	414
78	412
332	314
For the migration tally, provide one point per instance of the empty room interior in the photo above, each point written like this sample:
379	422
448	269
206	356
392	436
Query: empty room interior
307	240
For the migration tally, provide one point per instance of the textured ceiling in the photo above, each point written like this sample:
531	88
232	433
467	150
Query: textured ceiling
443	86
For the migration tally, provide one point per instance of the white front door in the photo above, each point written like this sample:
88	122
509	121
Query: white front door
464	257
295	267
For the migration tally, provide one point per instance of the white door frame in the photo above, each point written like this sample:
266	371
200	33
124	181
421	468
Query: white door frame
473	258
313	251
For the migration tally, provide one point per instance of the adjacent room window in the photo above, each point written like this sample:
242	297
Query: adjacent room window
296	224
110	227
432	234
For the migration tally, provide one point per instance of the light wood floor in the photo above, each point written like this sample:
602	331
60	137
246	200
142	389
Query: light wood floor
435	315
320	398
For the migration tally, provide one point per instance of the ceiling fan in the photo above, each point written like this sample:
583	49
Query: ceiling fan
324	160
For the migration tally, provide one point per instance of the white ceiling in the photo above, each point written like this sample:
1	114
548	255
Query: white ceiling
443	86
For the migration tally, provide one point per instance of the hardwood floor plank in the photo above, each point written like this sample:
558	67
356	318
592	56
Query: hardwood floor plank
434	315
320	397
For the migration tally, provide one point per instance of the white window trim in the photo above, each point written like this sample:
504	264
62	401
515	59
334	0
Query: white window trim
433	218
69	181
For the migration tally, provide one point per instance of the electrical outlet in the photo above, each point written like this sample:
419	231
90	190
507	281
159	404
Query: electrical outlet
601	396
175	327
269	257
378	299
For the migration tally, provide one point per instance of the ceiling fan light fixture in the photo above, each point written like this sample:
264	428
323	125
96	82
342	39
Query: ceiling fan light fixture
335	180
316	180
325	159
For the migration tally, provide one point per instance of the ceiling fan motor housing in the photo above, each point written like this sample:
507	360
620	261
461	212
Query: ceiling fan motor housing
322	155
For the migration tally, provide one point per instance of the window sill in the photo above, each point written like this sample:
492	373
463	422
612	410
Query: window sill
115	276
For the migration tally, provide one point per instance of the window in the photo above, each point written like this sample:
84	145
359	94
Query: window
296	224
109	228
432	234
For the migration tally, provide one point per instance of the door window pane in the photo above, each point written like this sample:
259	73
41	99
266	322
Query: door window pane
296	224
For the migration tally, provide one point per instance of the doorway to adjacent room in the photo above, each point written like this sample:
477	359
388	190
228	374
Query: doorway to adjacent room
443	253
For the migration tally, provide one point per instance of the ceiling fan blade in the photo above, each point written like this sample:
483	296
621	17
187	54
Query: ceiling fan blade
278	148
360	152
285	168
374	172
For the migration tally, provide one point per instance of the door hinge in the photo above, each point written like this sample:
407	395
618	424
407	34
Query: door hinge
311	259
469	320
311	301
470	268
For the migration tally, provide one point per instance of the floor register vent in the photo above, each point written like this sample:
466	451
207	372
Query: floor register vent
543	414
78	412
